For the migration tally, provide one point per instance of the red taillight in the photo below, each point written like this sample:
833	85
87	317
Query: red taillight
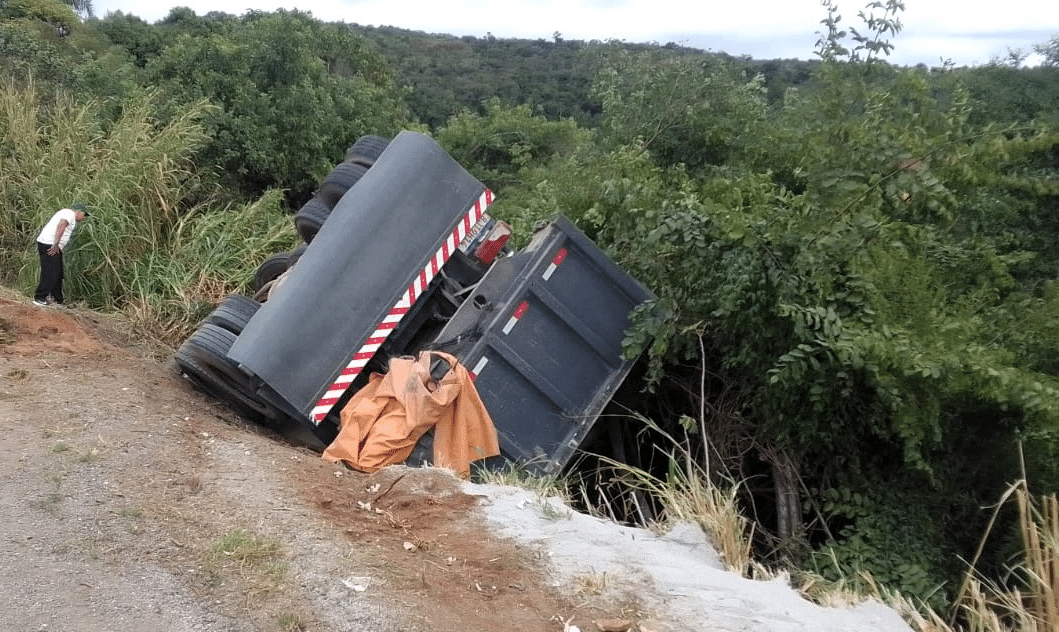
493	243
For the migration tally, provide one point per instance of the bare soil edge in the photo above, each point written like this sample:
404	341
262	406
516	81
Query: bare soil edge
131	501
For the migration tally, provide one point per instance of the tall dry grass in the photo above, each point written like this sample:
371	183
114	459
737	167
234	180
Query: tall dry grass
157	244
210	253
686	493
132	173
1040	539
1025	600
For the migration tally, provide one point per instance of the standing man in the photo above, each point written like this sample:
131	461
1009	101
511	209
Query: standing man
50	244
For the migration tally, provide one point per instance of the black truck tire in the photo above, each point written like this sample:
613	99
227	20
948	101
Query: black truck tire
367	150
310	218
295	255
271	268
341	178
233	313
204	358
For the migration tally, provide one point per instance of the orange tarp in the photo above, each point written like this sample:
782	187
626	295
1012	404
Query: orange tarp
382	422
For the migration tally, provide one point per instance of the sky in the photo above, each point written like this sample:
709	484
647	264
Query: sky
966	32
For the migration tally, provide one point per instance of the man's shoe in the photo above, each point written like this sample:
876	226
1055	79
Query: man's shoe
40	303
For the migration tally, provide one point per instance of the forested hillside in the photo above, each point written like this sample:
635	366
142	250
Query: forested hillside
857	320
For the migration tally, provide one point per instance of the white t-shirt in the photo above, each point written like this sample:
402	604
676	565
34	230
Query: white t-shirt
47	235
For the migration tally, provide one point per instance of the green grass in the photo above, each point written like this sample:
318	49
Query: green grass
290	623
520	475
159	243
245	547
260	561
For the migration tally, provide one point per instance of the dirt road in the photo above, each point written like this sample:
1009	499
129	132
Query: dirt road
132	502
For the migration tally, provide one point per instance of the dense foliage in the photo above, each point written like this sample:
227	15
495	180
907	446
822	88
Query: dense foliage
292	94
854	262
446	75
868	266
144	249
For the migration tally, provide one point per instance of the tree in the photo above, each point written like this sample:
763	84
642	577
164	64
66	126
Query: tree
1050	52
82	7
56	14
685	109
291	94
863	274
36	42
867	47
139	38
508	140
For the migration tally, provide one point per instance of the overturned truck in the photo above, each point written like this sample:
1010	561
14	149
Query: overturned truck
400	255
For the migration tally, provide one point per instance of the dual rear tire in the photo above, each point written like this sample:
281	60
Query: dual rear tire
204	358
360	157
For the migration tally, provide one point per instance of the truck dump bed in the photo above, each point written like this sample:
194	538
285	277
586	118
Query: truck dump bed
542	333
380	246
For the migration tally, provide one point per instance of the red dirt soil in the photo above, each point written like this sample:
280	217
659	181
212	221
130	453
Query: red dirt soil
171	471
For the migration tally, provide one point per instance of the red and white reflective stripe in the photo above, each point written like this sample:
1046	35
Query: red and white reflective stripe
559	256
478	366
398	311
519	311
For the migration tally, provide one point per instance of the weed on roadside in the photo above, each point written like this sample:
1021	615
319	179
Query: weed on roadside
259	560
520	475
16	379
89	456
131	512
134	518
591	583
49	502
547	488
290	623
58	430
686	492
552	512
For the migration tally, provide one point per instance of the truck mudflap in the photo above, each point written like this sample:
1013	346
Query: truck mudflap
542	334
379	248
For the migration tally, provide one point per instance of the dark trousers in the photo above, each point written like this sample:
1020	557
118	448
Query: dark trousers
51	275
